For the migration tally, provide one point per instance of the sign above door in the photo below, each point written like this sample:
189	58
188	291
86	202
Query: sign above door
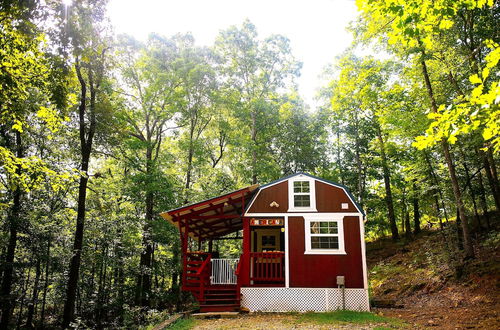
266	222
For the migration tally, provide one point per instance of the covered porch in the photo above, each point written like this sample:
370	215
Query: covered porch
215	280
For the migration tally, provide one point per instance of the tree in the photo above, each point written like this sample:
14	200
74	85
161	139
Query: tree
151	92
90	49
27	101
254	72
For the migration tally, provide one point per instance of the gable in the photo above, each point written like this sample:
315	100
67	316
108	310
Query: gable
329	197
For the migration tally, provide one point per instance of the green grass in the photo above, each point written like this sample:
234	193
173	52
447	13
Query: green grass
347	317
183	324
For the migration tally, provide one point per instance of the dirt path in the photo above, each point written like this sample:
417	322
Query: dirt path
272	321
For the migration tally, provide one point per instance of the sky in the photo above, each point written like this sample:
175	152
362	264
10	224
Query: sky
316	28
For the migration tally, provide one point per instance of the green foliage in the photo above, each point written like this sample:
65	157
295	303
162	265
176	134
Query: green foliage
184	324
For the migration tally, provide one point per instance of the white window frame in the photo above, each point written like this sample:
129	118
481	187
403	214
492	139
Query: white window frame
307	229
312	195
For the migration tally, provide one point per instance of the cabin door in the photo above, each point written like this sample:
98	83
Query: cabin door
268	240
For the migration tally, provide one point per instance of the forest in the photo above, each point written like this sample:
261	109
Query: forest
100	132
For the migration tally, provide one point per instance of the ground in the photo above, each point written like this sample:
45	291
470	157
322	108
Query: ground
416	277
266	321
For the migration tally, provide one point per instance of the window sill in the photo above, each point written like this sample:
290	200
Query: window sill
307	209
325	252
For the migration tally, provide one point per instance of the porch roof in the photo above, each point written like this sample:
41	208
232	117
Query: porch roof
214	217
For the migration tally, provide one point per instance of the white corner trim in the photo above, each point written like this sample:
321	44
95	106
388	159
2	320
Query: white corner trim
322	217
363	251
312	194
253	200
287	255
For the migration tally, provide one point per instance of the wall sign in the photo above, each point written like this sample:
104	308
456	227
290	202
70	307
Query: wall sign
266	222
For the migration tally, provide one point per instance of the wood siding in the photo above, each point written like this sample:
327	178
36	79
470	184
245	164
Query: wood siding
330	199
321	271
277	193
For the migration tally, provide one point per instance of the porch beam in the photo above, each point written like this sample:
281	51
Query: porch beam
211	201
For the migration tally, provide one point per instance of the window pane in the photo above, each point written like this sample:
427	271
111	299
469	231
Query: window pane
324	227
322	242
301	186
301	200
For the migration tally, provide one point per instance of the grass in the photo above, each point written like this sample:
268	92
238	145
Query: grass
348	317
183	324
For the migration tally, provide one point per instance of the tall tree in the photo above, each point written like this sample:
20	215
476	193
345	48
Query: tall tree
151	93
90	49
255	71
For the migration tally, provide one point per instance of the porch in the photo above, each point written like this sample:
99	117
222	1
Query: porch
214	280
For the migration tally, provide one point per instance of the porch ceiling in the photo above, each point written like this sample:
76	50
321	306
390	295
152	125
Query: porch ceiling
213	217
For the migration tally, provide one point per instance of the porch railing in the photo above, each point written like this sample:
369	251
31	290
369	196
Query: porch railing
267	267
224	271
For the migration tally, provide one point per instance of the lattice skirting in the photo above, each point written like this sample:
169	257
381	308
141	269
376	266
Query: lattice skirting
303	299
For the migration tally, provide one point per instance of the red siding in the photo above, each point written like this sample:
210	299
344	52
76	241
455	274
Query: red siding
330	199
321	271
277	193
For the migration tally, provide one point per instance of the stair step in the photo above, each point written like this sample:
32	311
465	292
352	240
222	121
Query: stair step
229	300
220	308
215	295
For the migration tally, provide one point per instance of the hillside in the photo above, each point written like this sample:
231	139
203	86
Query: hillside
414	276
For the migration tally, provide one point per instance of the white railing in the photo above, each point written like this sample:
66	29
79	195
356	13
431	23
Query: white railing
223	271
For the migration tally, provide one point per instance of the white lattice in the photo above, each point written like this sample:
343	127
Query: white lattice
303	299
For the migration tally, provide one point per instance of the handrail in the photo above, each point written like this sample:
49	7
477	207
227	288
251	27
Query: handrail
203	265
238	266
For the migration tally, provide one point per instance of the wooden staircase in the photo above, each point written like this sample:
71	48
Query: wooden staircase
221	298
212	298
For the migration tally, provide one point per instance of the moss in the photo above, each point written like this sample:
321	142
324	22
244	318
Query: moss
183	324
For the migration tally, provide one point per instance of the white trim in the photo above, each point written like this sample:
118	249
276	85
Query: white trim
303	214
340	225
253	200
312	194
363	251
287	256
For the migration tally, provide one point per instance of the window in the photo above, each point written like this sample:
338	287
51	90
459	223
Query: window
301	194
324	236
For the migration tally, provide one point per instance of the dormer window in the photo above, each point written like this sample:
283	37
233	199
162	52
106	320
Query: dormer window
301	194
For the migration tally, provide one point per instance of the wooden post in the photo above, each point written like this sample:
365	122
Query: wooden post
210	245
184	246
245	269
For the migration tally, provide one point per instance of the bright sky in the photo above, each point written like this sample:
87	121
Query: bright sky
316	28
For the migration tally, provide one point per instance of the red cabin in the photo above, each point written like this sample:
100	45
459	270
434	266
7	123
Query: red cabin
302	248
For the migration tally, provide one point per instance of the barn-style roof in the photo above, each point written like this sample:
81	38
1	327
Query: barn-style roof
214	217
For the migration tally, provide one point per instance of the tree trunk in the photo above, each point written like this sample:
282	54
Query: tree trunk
469	251
86	137
416	210
143	293
482	199
13	220
387	183
358	161
476	220
254	147
491	181
34	296
45	283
